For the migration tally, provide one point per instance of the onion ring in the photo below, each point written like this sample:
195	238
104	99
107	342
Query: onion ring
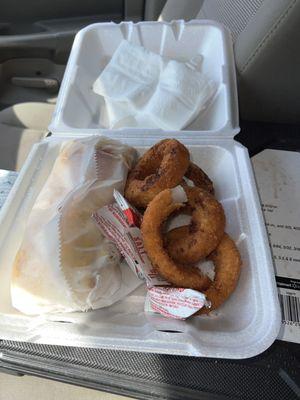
158	210
191	243
162	166
199	178
227	261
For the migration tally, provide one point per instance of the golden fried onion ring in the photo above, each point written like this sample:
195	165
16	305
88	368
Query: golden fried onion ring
227	261
193	242
162	166
199	178
158	210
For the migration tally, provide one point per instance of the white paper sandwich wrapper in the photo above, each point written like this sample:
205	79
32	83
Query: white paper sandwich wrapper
64	264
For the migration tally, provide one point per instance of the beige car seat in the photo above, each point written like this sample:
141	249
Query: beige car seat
21	126
266	36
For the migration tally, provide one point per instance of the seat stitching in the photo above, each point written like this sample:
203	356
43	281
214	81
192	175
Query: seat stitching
268	36
21	127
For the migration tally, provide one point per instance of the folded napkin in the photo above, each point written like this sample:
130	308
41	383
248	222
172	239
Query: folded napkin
143	89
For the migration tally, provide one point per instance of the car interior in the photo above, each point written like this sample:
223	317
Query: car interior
36	38
36	42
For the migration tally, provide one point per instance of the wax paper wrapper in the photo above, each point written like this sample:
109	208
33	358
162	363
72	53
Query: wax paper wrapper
117	222
64	262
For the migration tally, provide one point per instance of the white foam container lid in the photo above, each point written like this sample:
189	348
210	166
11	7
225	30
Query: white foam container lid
78	108
249	321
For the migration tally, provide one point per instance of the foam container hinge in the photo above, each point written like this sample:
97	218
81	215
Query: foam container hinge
78	108
244	326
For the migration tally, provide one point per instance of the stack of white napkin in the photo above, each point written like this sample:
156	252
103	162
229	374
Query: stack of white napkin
142	89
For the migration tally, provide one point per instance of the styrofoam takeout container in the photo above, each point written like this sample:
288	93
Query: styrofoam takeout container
249	321
78	108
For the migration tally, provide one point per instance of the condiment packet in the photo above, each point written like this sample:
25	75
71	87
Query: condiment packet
116	221
114	225
178	303
133	216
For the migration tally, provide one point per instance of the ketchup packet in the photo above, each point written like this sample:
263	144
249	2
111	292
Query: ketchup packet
133	216
120	223
178	303
113	223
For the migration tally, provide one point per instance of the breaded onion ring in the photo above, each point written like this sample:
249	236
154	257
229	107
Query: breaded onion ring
158	210
227	261
162	166
191	243
199	178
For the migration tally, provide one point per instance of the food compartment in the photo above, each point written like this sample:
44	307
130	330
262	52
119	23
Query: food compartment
95	45
245	325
